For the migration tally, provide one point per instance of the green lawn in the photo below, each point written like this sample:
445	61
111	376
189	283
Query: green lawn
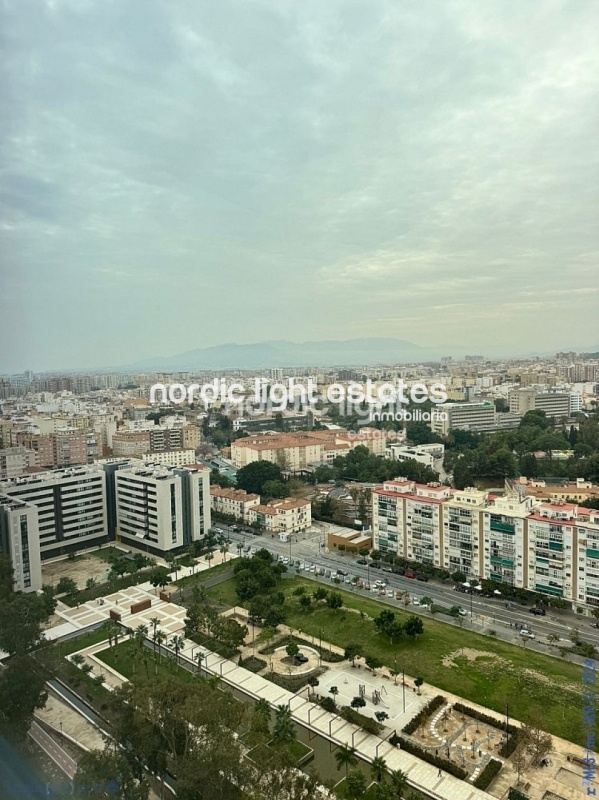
130	660
107	554
224	593
528	681
265	754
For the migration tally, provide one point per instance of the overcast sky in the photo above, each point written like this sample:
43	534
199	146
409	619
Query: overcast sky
185	173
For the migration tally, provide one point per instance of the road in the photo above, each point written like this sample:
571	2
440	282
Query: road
482	613
53	750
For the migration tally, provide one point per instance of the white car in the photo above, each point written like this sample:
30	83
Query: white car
390	593
380	584
462	612
306	568
313	568
415	602
527	634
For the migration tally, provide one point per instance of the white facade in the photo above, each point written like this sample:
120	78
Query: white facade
19	539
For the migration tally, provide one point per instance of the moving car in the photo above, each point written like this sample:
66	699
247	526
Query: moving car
527	634
539	612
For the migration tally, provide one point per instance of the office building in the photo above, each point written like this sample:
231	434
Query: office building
475	417
556	405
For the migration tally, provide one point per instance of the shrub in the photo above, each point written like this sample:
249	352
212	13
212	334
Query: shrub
488	775
328	704
424	714
516	794
442	763
366	723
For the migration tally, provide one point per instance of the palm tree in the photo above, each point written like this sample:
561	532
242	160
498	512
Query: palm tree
261	716
334	691
199	657
154	622
159	640
140	634
399	781
312	684
283	731
209	556
224	551
378	768
177	643
346	757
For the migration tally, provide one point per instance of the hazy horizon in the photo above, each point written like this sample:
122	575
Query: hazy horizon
181	175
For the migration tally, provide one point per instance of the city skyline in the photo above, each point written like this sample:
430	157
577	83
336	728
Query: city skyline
312	172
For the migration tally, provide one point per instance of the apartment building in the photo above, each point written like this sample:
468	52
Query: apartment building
56	450
170	458
301	450
19	539
517	539
288	516
160	509
504	536
15	461
130	444
476	417
409	519
71	507
163	439
463	532
233	502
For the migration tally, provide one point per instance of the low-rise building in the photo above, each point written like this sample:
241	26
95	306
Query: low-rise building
291	515
233	502
15	461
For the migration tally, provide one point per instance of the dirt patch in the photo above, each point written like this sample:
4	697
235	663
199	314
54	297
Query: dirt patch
80	570
470	654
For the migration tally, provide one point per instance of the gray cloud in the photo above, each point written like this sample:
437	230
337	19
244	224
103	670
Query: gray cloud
196	172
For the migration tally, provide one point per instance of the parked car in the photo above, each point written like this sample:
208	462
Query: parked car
387	569
375	565
462	612
415	601
361	561
527	634
341	572
539	612
313	568
398	594
247	548
390	593
380	584
422	577
327	573
234	528
409	574
398	570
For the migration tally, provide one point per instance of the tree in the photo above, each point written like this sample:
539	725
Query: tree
292	649
399	782
373	663
358	702
519	759
413	627
536	741
320	593
378	768
283	731
305	602
553	638
381	716
21	620
107	773
418	683
334	601
275	490
159	576
312	683
253	476
353	651
66	586
261	717
22	691
90	583
346	757
334	691
355	784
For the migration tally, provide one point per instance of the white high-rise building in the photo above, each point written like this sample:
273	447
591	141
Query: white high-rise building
19	539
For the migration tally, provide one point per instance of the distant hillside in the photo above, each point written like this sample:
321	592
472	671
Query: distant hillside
288	354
